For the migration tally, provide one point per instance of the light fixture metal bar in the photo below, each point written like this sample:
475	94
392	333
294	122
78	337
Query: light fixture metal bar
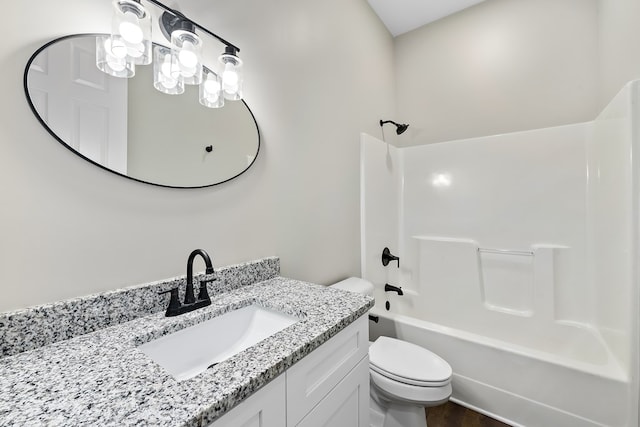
195	24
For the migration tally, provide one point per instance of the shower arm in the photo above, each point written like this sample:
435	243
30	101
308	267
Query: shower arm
400	128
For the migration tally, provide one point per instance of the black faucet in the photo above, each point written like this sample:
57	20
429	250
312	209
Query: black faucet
391	288
190	302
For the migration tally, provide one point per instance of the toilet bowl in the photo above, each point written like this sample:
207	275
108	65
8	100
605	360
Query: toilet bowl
405	378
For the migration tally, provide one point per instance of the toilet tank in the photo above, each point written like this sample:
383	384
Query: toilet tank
355	284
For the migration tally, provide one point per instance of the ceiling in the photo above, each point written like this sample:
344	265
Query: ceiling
401	16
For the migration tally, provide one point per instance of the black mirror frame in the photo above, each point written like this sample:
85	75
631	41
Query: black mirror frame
57	138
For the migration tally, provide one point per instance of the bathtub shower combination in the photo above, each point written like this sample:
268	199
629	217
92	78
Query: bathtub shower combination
518	264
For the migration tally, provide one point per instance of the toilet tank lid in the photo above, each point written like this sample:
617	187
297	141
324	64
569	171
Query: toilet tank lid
355	284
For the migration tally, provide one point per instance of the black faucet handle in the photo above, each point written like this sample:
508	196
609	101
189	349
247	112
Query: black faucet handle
387	256
207	277
174	302
203	294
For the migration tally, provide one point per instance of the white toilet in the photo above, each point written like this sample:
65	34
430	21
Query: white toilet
405	378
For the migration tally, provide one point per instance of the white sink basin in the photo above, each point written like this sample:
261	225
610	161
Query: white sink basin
190	351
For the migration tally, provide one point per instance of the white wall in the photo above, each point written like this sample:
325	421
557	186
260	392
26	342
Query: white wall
381	177
500	66
619	43
317	73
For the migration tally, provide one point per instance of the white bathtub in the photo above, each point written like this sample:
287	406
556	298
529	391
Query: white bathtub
519	385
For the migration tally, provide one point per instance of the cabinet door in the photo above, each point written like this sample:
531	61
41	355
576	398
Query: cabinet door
313	377
347	405
265	408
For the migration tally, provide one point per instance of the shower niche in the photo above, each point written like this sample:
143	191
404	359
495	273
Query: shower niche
517	282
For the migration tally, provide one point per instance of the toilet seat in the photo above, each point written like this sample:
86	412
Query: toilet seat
408	363
396	391
408	381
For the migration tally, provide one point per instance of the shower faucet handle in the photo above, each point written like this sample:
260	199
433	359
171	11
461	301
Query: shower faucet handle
387	257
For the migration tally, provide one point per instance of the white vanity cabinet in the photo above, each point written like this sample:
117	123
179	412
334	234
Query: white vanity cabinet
347	405
266	407
329	387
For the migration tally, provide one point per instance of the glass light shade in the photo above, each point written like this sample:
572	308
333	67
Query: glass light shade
211	90
163	72
232	78
187	53
131	27
113	61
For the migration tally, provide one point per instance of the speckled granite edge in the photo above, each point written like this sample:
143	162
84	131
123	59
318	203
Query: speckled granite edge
102	378
37	326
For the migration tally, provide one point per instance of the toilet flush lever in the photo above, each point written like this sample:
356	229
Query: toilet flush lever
387	256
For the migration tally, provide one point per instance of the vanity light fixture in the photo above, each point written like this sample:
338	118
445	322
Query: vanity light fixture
186	47
130	44
231	74
131	32
164	80
211	90
108	62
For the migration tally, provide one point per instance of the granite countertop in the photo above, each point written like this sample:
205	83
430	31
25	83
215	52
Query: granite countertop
101	378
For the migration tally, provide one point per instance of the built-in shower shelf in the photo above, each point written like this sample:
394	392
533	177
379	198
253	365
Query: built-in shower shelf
505	251
515	282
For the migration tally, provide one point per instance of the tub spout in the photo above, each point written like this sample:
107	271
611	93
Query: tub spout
391	288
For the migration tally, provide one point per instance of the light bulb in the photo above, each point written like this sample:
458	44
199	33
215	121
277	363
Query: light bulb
212	98
136	51
186	47
188	72
210	90
187	56
116	64
168	82
110	63
165	74
211	86
115	47
230	76
130	28
166	66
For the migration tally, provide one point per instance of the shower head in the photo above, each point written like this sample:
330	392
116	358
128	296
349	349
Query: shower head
400	128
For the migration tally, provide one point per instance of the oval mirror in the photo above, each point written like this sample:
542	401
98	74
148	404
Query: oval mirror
131	129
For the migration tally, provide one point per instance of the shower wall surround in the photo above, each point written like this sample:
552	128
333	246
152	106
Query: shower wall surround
524	241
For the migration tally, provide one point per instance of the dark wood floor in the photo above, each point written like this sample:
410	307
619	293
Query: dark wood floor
453	415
